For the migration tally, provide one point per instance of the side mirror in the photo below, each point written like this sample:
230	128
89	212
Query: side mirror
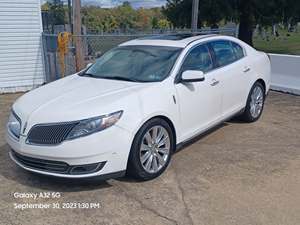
192	76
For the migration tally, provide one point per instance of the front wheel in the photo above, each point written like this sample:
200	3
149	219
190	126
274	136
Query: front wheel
151	150
255	103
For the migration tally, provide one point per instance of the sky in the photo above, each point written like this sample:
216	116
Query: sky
113	3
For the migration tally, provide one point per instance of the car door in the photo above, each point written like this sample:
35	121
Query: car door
230	68
199	102
243	65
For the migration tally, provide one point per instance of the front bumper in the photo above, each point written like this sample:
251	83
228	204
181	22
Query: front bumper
108	148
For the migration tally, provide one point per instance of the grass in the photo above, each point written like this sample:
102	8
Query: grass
283	44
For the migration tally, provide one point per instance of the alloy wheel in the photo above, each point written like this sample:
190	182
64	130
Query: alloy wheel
257	101
155	149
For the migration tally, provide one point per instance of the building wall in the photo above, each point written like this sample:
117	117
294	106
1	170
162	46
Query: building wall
21	58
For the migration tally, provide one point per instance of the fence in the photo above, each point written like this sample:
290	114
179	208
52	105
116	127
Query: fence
94	46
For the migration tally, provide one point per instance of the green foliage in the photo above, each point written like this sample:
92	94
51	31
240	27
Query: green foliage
122	18
56	12
154	23
163	24
247	12
212	12
286	43
178	12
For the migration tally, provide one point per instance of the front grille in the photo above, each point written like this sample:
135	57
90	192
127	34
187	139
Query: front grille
49	134
41	164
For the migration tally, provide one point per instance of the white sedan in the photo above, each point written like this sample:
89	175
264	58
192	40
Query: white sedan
129	111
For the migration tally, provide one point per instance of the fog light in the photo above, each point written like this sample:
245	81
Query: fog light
88	168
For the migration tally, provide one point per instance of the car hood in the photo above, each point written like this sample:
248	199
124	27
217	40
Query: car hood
73	98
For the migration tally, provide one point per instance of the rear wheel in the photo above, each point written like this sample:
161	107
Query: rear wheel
255	103
151	150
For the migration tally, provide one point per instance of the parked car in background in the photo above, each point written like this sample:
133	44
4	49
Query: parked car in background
128	111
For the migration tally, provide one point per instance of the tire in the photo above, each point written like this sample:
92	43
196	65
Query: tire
255	103
143	150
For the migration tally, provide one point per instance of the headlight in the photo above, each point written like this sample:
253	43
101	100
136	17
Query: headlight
14	125
96	124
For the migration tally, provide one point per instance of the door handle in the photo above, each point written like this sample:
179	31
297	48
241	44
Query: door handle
247	69
214	82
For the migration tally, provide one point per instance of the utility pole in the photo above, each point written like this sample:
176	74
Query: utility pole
77	35
70	16
195	10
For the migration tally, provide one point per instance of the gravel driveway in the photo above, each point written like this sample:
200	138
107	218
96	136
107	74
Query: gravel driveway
238	174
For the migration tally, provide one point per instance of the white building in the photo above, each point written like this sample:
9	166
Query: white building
21	58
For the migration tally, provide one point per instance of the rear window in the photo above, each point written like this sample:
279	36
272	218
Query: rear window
224	52
238	50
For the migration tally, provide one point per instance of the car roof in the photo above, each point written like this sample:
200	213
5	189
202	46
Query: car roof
172	40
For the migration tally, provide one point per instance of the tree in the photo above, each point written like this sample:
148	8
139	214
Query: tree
264	13
179	12
248	13
56	13
213	11
163	24
246	19
124	18
143	19
154	22
290	12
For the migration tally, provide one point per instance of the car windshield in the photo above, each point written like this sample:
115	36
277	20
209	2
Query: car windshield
135	63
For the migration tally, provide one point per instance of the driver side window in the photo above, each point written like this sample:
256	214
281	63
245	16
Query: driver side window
198	59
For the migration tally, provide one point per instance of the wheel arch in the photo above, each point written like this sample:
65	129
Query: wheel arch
263	83
163	117
169	121
256	80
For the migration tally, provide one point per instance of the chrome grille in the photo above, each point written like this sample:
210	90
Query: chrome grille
49	134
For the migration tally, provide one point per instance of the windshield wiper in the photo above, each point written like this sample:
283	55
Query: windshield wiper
120	78
87	75
109	77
